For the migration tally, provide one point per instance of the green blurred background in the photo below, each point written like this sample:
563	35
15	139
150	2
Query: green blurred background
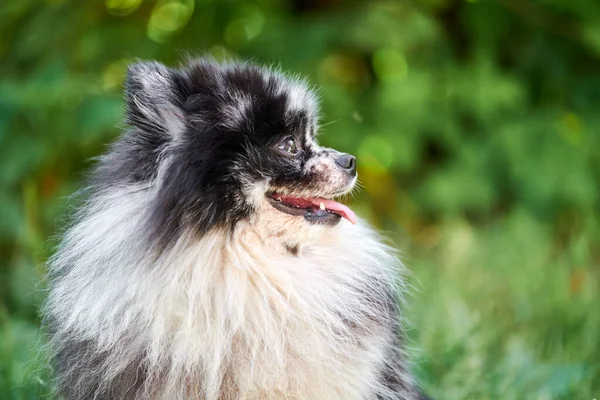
476	125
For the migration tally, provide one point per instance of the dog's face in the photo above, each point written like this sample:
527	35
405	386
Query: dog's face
223	143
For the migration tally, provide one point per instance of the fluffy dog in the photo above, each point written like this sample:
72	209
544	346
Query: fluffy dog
210	260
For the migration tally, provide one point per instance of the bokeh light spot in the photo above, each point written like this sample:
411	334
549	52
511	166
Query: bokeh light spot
167	18
570	129
389	65
114	74
344	69
246	26
376	153
121	8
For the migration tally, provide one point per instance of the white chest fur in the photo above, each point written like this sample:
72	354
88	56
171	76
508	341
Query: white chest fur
235	315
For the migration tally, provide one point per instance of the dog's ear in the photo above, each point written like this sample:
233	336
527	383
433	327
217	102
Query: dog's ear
154	96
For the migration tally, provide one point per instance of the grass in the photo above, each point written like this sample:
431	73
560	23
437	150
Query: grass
506	312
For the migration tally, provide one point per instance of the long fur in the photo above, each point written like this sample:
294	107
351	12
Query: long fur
178	280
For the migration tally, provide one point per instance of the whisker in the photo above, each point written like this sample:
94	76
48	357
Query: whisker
329	123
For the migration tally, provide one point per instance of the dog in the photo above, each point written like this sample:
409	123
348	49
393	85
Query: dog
209	259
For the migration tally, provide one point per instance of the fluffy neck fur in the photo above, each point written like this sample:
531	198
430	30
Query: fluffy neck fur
231	315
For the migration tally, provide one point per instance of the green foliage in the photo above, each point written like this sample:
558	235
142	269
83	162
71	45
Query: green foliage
476	128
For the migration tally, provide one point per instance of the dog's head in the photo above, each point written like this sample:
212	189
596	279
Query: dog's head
221	143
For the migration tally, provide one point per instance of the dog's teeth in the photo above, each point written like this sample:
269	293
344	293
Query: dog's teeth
322	206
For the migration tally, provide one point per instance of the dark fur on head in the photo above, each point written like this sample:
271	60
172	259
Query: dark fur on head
211	261
214	126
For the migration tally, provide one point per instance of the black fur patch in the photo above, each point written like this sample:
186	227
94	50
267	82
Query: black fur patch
293	250
81	367
206	132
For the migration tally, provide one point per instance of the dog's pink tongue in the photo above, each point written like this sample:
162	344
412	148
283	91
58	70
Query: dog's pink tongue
339	208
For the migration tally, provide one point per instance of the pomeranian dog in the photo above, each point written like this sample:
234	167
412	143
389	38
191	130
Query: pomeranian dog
210	259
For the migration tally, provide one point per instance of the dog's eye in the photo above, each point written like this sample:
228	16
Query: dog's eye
288	145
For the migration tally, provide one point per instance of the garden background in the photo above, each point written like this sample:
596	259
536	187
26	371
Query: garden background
477	130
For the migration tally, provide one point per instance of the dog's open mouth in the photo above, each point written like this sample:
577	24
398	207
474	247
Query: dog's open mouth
314	209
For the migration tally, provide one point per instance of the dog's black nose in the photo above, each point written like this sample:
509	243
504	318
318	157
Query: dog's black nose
348	162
